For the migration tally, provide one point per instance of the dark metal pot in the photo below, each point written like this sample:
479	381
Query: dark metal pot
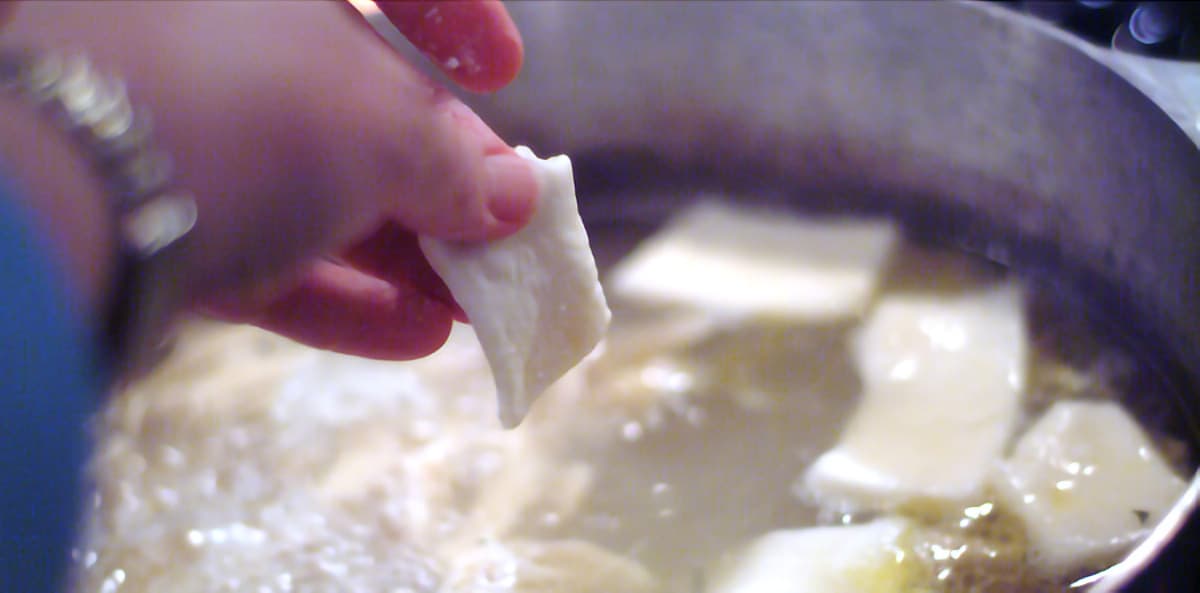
967	123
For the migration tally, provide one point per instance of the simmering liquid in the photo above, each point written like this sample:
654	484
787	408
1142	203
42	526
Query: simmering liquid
248	463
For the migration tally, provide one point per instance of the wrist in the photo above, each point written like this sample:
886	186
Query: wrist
135	289
67	200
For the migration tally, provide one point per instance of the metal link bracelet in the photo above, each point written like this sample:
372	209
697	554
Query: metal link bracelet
150	215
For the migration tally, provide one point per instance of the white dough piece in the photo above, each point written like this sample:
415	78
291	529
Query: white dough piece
846	559
1087	483
744	262
534	298
942	379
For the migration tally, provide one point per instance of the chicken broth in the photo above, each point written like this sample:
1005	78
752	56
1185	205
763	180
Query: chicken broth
679	458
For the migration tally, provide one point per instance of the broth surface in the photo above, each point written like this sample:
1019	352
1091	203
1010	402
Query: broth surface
248	463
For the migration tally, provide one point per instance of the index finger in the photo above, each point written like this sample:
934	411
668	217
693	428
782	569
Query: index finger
474	42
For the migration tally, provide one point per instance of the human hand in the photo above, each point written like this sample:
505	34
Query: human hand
315	153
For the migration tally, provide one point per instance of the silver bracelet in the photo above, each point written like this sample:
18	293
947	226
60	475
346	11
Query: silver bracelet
151	216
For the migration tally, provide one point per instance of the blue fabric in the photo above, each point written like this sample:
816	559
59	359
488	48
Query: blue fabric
49	385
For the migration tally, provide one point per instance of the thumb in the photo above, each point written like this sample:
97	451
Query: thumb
429	161
465	183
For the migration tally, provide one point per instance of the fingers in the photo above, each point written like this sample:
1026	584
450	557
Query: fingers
393	255
334	307
386	303
474	42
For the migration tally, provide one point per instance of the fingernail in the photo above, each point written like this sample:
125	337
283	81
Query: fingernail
513	189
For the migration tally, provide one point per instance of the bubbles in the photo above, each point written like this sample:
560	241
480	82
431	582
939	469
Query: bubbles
977	512
663	498
903	370
663	376
193	498
168	497
943	333
172	456
113	583
943	553
550	519
632	431
337	570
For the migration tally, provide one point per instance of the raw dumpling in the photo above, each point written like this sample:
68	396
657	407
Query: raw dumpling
534	298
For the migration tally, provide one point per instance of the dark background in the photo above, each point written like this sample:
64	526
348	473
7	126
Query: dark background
1161	29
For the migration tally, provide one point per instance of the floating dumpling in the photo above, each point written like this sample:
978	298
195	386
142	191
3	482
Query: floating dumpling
942	378
844	559
1087	483
747	263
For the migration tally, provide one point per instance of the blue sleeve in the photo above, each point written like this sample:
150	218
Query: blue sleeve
49	385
